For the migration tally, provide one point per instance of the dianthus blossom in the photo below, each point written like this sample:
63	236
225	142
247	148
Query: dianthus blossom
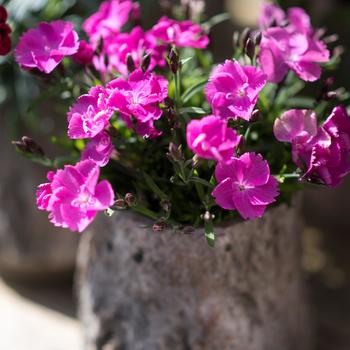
290	42
210	138
46	46
89	115
99	149
108	20
323	153
73	196
245	185
233	89
138	97
180	34
85	53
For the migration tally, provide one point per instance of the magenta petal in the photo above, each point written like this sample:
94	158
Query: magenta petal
256	170
223	194
246	209
265	194
104	194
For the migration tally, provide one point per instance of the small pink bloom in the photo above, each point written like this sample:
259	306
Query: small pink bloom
137	44
73	196
245	185
139	97
108	20
89	115
270	15
46	46
99	149
85	53
210	138
181	34
281	50
324	152
233	89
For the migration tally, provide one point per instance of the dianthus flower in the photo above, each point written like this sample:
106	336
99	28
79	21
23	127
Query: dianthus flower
73	197
245	185
46	46
233	89
108	20
136	44
99	149
89	115
139	98
210	138
85	53
324	156
180	34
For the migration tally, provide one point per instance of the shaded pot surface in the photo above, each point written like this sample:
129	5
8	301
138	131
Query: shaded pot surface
141	290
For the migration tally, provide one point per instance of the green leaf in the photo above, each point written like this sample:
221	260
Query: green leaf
217	19
191	91
209	233
154	187
193	110
185	60
201	181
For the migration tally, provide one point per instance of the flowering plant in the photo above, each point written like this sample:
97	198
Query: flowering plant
173	136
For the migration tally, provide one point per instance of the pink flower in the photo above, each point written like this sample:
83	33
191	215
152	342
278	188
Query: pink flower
73	196
323	153
137	44
99	149
85	53
297	127
270	15
245	184
46	46
108	20
139	97
233	89
89	115
210	138
181	34
281	50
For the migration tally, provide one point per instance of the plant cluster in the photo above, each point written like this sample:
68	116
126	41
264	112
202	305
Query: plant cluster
173	136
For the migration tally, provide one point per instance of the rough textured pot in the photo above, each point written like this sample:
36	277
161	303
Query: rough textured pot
140	290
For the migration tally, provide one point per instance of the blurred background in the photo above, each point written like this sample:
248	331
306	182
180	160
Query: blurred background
37	304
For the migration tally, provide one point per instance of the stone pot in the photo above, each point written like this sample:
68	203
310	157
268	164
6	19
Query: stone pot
140	290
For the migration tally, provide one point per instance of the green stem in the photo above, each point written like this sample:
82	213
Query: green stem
140	209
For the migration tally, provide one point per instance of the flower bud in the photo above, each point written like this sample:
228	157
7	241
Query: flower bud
130	199
244	37
159	226
256	36
195	161
250	48
331	95
130	63
28	145
174	61
119	204
166	205
255	116
146	61
207	216
175	152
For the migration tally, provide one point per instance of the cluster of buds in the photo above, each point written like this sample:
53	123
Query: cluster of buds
29	146
129	200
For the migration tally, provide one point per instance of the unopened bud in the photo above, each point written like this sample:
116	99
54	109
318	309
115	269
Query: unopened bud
244	37
329	82
119	204
207	216
175	152
331	38
250	48
195	161
174	61
255	116
169	102
256	36
28	145
130	63
166	205
146	61
159	226
130	199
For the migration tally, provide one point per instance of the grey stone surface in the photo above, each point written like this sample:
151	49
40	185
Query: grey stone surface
141	290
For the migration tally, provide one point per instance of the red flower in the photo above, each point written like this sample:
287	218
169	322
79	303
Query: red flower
5	31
